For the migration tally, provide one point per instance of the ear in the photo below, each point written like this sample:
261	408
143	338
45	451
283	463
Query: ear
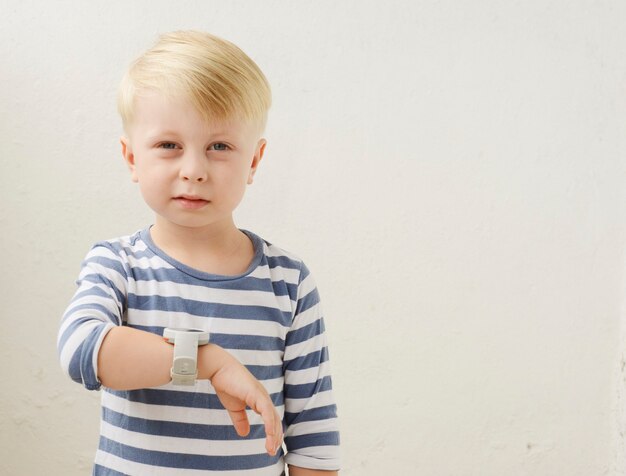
258	155
129	157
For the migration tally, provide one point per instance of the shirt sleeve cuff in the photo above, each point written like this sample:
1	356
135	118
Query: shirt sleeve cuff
89	369
331	463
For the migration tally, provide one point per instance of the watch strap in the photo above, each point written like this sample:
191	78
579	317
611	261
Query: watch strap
184	368
186	341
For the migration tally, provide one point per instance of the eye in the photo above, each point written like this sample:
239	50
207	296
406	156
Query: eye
167	145
219	146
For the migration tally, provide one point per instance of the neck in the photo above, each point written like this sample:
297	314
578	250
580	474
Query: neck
216	238
219	249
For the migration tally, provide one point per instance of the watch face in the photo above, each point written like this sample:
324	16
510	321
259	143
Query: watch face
170	334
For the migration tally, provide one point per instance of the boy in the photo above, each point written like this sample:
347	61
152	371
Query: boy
193	109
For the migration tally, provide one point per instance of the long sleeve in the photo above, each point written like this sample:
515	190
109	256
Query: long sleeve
312	434
97	306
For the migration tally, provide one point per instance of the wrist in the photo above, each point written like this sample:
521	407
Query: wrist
211	358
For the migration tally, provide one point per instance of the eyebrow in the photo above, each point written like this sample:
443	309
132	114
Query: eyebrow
156	134
220	134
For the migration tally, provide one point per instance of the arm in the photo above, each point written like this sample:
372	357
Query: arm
94	348
131	359
312	433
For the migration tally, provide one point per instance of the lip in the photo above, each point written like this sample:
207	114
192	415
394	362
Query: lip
186	196
191	202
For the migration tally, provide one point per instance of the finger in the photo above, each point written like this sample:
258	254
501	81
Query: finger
273	428
274	438
240	421
278	437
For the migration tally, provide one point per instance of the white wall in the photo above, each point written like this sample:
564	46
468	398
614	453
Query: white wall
452	172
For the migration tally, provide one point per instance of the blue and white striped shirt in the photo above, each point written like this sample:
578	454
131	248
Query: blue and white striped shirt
269	318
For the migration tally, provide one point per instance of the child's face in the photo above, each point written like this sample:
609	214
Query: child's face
191	173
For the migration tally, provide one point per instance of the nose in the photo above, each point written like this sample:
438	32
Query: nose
193	169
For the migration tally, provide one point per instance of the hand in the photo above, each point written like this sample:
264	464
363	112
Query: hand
236	387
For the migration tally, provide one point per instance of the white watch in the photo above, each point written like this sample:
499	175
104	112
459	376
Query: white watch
186	341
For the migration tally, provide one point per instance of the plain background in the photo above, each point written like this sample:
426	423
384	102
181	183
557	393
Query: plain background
452	172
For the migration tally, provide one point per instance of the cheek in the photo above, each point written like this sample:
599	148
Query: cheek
230	177
146	191
151	186
153	172
233	187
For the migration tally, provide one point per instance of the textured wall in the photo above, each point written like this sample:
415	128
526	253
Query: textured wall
452	172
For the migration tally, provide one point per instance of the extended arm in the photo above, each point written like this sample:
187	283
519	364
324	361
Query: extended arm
131	359
95	348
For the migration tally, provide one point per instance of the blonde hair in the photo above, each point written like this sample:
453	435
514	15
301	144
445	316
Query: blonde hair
219	79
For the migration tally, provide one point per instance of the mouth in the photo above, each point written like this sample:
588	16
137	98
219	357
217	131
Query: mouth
189	197
191	201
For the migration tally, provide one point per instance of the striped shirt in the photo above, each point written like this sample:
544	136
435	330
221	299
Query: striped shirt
269	318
